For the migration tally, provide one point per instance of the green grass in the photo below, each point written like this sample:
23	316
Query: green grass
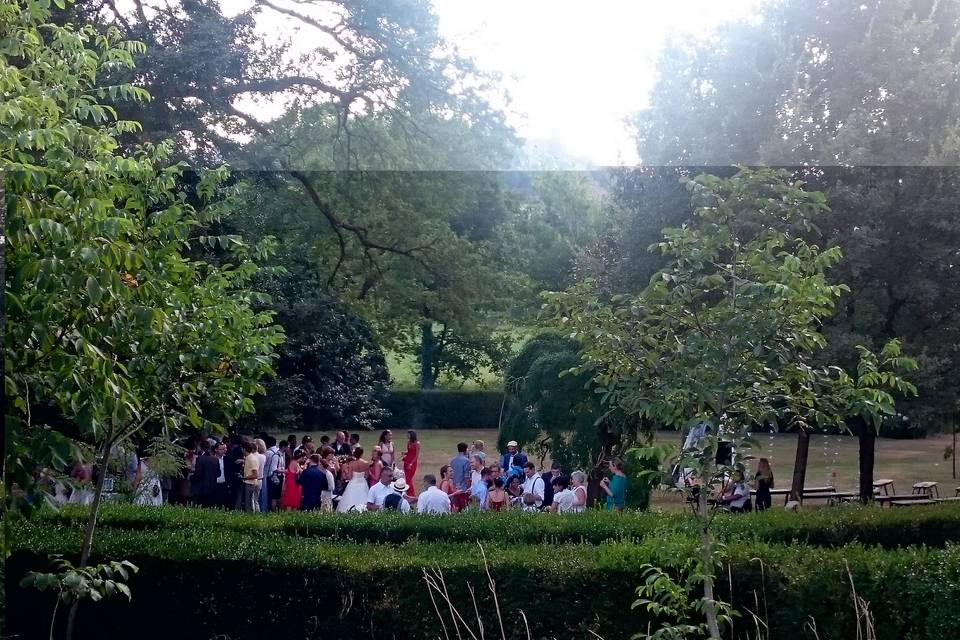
405	372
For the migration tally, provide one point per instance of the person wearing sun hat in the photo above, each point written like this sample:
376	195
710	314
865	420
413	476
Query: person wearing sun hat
398	500
513	457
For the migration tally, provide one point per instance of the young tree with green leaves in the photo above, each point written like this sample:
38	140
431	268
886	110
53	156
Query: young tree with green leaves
124	318
724	334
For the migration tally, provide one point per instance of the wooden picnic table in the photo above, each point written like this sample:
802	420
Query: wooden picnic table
885	485
928	489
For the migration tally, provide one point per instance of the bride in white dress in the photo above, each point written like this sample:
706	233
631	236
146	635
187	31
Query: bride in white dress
354	496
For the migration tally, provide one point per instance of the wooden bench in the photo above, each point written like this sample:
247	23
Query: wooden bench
912	503
954	499
882	500
929	489
958	492
885	485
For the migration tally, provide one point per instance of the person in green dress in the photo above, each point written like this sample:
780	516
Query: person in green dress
615	486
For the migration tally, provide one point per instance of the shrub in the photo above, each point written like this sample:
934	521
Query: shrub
439	409
889	528
216	581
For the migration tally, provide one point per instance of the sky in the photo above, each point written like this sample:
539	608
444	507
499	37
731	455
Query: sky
574	70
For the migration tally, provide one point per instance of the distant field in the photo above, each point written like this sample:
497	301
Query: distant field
404	371
904	461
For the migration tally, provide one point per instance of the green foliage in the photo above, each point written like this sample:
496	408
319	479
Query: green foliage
912	591
76	583
936	526
725	333
112	327
443	409
870	87
330	373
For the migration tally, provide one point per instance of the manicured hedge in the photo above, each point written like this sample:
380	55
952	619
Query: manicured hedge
198	582
440	409
889	528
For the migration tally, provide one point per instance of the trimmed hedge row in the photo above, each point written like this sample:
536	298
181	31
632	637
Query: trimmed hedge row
440	409
889	528
198	582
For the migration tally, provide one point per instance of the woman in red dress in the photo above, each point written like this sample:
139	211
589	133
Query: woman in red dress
291	492
410	461
376	466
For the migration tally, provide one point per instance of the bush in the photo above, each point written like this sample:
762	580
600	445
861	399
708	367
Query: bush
889	528
439	409
228	583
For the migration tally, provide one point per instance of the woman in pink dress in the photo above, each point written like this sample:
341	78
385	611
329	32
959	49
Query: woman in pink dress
291	492
387	448
411	458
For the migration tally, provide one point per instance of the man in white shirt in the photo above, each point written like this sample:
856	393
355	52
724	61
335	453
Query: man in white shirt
379	492
431	499
532	488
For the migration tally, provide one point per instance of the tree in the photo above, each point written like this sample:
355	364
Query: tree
862	98
724	334
560	411
330	373
112	327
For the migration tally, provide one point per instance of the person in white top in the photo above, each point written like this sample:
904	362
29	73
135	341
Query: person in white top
578	479
261	453
379	492
532	498
432	499
562	496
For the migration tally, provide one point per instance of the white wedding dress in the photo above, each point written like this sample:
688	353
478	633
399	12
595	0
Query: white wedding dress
354	496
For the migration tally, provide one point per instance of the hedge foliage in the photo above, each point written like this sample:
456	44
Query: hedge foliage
889	528
198	581
440	409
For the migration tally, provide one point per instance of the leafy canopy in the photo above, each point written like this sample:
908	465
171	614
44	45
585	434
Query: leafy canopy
123	314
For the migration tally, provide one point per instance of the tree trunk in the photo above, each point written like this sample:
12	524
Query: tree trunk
91	527
428	345
868	441
800	463
706	548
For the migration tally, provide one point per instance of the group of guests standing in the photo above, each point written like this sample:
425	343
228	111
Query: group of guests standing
263	474
512	481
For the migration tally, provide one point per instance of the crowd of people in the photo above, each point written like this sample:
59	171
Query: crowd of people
263	474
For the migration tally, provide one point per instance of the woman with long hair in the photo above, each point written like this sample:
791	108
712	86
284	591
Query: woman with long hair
291	492
355	495
387	448
376	466
763	481
263	500
615	486
411	458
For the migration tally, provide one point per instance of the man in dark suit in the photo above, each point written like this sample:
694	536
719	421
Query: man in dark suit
234	472
548	478
203	482
314	483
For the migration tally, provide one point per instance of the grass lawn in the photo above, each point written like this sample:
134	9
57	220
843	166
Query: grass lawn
833	459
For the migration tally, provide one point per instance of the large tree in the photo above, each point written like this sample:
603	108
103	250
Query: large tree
375	90
126	316
725	332
824	87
